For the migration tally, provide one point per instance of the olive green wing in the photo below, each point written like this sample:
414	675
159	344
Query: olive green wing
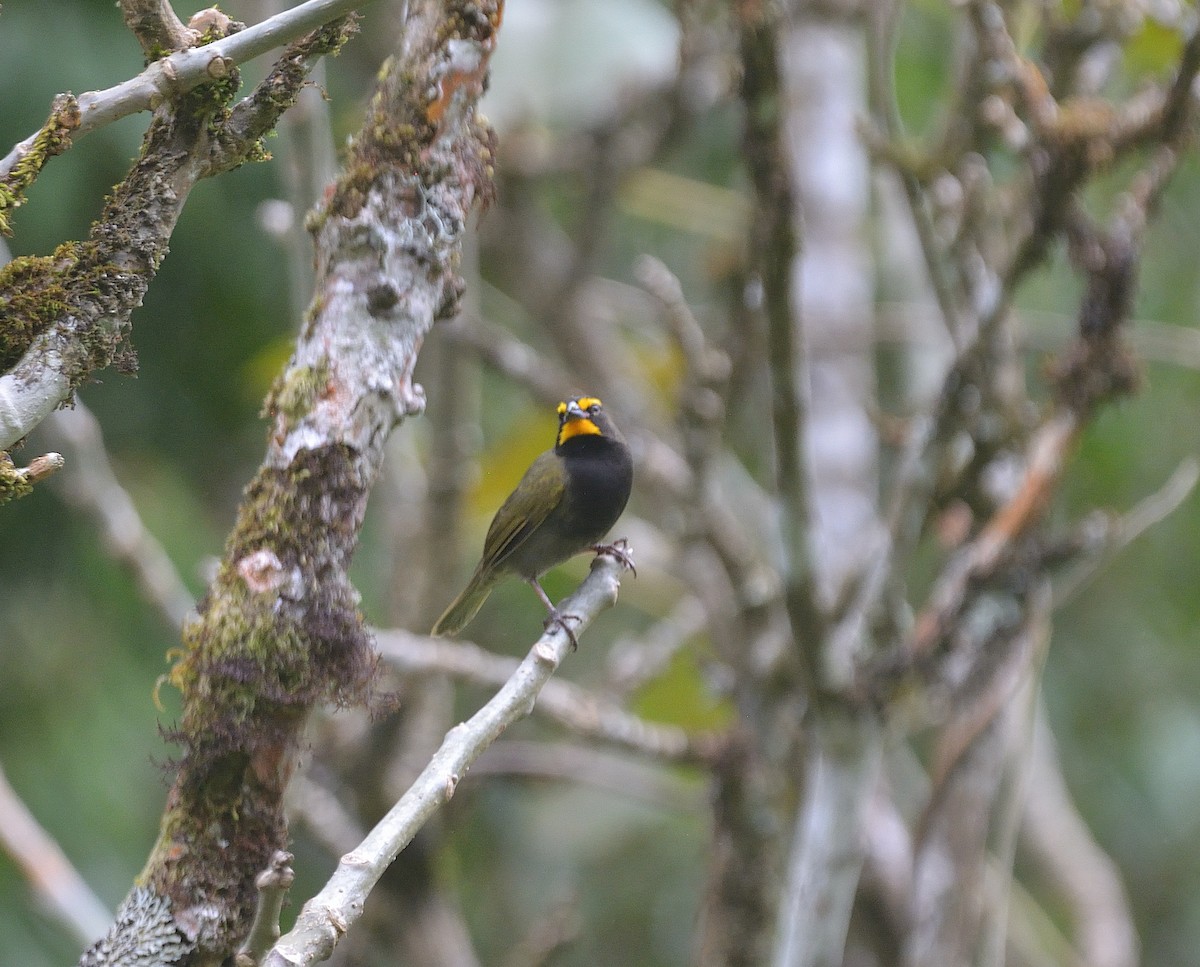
526	509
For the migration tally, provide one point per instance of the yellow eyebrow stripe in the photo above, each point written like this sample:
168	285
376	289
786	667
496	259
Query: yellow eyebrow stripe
584	402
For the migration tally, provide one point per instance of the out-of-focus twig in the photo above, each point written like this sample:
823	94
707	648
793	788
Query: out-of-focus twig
573	706
1105	537
882	36
609	770
93	487
947	911
633	661
558	927
1057	841
327	818
1008	811
54	880
1047	454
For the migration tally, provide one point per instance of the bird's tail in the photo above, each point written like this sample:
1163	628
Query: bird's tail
463	608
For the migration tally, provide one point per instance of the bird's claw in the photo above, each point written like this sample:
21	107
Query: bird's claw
559	620
620	550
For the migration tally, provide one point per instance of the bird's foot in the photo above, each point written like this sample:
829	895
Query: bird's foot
559	620
620	550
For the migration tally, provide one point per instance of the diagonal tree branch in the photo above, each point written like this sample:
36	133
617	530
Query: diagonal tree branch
329	914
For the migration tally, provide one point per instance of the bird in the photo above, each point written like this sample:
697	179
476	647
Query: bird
565	503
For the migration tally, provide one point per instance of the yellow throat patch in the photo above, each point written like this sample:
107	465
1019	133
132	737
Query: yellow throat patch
580	425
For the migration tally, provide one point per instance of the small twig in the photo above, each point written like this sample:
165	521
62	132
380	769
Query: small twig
1179	105
273	884
18	481
1011	800
328	915
705	363
506	354
187	69
633	661
613	772
50	874
703	388
1114	536
329	821
566	702
969	804
881	35
1034	934
557	928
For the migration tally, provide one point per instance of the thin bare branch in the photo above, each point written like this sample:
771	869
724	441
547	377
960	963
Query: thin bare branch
1104	538
328	915
93	487
54	880
273	884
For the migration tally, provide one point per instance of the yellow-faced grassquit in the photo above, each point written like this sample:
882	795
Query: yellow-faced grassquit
566	502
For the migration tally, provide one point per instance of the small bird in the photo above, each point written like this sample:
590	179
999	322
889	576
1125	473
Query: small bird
566	502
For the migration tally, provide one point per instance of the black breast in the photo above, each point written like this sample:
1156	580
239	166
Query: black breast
599	478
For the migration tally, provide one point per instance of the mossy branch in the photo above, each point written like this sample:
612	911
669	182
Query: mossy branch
67	315
279	631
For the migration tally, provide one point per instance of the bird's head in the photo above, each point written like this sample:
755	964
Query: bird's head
583	416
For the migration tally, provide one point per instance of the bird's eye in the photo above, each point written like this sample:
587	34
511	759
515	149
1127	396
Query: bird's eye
594	408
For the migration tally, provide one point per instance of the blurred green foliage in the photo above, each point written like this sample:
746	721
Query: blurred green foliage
80	652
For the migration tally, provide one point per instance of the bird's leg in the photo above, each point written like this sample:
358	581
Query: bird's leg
620	550
556	617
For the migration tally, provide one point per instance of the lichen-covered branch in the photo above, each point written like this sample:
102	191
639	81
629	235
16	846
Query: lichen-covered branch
279	631
67	315
168	78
